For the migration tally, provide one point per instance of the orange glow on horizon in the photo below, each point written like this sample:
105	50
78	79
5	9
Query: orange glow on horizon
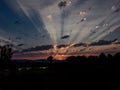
67	51
60	57
56	57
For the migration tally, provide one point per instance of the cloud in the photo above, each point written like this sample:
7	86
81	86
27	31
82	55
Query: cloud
49	22
38	48
102	42
4	41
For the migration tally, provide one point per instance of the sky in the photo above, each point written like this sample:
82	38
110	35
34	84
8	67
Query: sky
26	24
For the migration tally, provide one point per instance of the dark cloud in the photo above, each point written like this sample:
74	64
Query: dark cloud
102	42
20	45
38	48
65	37
79	44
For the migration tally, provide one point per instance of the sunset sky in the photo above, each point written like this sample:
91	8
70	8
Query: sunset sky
30	25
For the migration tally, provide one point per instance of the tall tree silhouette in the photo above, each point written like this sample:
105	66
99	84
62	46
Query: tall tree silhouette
5	53
50	59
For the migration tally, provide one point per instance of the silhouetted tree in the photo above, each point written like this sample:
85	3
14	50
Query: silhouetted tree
5	55
117	56
110	57
102	57
50	59
116	61
5	52
71	59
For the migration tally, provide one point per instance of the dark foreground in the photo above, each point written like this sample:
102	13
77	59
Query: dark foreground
60	76
77	73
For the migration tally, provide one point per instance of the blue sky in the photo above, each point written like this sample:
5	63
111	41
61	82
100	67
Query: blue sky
41	22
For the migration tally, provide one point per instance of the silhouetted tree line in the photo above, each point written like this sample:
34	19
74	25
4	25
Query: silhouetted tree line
101	58
5	55
102	62
93	72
